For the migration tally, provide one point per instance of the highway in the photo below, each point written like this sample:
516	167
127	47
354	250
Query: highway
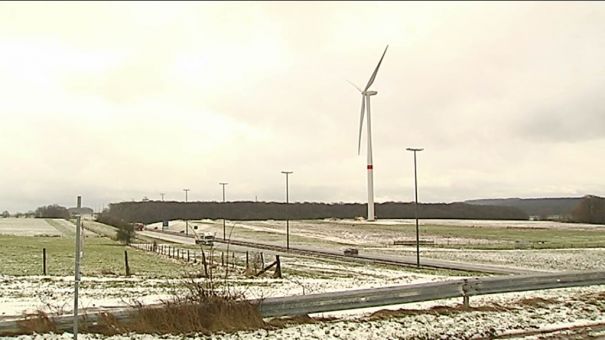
406	261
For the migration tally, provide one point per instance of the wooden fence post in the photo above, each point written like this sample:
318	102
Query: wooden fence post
204	263
126	263
277	267
44	260
246	259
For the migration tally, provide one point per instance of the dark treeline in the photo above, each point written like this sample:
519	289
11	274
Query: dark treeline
52	211
156	211
590	210
542	208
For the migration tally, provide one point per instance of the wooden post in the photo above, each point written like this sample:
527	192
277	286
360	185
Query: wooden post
222	259
232	259
246	259
44	260
188	258
277	267
466	301
126	263
262	260
205	264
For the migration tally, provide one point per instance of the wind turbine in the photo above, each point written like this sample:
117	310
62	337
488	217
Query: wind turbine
365	103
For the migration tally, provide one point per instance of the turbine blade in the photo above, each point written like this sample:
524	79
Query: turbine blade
371	81
363	110
355	86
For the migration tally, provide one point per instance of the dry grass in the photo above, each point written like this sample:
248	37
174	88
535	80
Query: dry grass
213	315
536	302
203	309
447	310
436	310
38	322
284	322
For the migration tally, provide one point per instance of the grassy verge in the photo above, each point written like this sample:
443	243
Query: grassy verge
22	255
63	226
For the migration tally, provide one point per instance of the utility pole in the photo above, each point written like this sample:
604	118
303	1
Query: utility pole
224	227
186	220
77	268
414	150
287	211
162	194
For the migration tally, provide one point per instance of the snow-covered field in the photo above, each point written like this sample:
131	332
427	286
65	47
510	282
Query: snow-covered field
492	315
384	232
543	259
480	223
31	227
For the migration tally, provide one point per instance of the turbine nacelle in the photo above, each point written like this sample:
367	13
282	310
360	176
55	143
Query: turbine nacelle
369	93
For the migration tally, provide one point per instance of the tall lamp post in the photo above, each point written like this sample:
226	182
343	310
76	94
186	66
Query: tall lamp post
224	228
287	211
414	150
186	220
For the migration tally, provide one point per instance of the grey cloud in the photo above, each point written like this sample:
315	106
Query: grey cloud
568	120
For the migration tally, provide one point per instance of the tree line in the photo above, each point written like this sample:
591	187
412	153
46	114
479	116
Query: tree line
156	211
590	210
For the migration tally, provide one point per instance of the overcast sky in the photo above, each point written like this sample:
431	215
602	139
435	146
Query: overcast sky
118	101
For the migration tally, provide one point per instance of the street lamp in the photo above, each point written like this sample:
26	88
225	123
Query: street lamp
186	221
287	202
224	228
414	150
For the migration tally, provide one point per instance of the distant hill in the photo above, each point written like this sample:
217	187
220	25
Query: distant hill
543	208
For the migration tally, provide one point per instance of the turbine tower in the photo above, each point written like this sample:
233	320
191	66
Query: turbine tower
365	103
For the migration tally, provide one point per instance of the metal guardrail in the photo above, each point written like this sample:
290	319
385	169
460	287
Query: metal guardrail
364	298
377	297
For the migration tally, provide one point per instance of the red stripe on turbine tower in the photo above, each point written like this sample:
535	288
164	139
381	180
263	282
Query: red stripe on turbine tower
370	167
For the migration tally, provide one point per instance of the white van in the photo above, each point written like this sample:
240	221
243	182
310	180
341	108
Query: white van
206	239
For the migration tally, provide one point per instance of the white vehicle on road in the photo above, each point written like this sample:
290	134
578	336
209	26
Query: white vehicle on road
205	239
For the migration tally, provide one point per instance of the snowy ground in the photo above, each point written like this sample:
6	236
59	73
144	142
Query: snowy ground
494	315
379	233
544	259
302	276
